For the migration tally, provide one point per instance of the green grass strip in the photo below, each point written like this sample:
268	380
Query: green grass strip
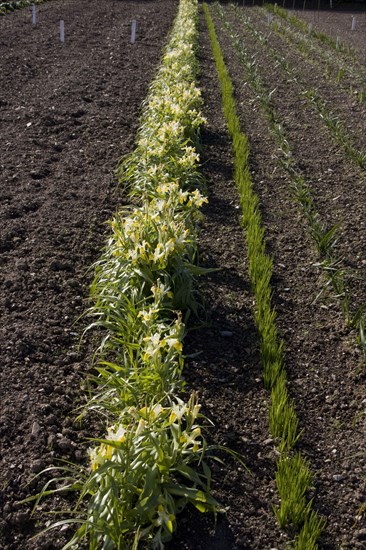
293	475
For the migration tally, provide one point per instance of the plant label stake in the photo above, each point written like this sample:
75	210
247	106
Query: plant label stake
337	43
133	31
270	17
34	15
310	27
353	23
62	31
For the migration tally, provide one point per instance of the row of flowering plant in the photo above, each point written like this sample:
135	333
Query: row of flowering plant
11	5
139	472
152	462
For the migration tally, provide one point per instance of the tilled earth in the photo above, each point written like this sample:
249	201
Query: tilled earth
68	113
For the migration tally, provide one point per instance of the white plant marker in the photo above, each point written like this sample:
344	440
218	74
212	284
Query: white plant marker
133	31
337	43
310	27
270	17
34	15
353	23
62	31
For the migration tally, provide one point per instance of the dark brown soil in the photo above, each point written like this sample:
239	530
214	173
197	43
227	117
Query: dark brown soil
68	112
322	358
328	170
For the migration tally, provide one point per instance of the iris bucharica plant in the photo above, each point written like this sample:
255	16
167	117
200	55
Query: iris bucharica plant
145	276
152	462
165	150
6	7
293	475
142	474
148	267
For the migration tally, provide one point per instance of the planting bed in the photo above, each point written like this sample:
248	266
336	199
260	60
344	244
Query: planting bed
68	112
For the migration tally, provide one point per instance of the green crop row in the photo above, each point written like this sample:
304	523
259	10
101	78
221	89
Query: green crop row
337	129
301	25
293	476
345	74
324	237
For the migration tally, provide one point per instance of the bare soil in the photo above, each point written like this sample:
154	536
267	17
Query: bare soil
68	112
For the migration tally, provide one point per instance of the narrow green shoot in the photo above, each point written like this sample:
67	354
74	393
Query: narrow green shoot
293	475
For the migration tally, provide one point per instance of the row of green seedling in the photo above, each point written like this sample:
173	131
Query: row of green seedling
343	72
336	128
303	26
332	122
151	461
324	238
293	476
338	66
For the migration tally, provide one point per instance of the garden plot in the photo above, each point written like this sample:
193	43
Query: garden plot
68	137
339	23
335	58
321	355
332	122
